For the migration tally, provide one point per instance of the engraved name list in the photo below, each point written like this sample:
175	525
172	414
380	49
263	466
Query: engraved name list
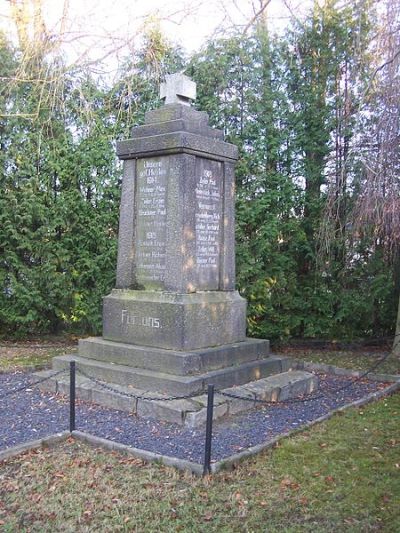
151	221
208	220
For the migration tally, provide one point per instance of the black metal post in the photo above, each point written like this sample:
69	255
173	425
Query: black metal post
207	448
72	376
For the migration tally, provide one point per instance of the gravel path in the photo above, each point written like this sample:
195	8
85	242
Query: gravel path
31	415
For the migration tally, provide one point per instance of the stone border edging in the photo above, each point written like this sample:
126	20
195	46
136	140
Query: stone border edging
338	371
52	440
230	462
227	463
180	464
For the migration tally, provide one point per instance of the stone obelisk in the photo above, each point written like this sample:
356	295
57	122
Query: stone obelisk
174	323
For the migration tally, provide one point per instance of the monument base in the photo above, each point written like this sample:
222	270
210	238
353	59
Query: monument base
139	379
190	412
174	321
181	363
167	372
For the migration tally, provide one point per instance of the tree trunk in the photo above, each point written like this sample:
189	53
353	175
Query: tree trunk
396	342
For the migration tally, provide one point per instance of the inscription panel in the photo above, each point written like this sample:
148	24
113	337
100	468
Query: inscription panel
208	219
151	221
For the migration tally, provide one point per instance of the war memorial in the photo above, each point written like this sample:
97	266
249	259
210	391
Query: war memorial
174	322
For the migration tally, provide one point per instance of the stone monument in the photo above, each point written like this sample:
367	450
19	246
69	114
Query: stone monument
175	323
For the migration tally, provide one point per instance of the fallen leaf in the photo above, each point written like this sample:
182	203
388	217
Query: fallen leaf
289	483
285	482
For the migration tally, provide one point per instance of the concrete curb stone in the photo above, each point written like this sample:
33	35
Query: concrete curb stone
180	464
229	463
50	441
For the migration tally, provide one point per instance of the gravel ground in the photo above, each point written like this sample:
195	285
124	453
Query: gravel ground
31	415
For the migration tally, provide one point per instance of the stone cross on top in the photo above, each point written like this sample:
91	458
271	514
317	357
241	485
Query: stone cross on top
177	89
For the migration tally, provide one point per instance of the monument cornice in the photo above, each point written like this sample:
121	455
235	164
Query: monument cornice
176	143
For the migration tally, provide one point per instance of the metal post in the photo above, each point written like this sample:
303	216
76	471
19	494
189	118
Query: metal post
207	448
72	376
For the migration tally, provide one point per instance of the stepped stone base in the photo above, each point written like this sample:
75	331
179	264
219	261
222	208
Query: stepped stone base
124	376
181	363
175	384
190	412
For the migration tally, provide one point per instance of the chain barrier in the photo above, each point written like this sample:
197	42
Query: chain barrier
194	394
210	400
28	385
309	398
136	396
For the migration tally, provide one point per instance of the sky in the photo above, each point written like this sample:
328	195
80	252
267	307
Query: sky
109	28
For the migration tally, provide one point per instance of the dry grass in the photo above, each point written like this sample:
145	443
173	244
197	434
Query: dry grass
34	354
351	359
343	475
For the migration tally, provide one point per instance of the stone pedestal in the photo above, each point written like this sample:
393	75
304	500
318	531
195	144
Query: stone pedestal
175	323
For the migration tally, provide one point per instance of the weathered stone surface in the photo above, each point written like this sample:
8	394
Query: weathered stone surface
199	126
115	401
198	418
84	387
173	411
174	321
179	210
172	361
171	384
50	385
125	264
176	143
177	88
236	406
279	387
171	112
192	412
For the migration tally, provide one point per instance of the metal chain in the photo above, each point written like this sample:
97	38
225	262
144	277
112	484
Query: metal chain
308	398
135	396
194	394
235	396
268	402
23	387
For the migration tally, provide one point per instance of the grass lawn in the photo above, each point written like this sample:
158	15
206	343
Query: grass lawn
33	355
342	475
352	359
